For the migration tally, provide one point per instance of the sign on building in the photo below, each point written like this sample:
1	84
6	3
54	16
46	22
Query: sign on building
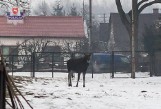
15	16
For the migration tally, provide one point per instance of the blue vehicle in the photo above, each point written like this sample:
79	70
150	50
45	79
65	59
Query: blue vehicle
103	62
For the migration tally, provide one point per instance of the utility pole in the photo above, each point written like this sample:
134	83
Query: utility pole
104	18
134	2
83	11
90	24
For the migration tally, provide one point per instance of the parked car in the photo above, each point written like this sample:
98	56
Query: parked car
102	62
142	62
144	67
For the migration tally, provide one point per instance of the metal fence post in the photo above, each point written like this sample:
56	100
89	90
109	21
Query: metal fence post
12	65
151	65
92	65
112	64
52	64
33	64
154	69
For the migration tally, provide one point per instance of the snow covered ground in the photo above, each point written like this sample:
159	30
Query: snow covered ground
101	92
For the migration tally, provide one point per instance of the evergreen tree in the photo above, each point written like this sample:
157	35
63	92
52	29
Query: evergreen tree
152	43
58	11
152	39
43	9
73	11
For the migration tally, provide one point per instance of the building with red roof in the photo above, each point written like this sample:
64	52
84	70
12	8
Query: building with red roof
69	28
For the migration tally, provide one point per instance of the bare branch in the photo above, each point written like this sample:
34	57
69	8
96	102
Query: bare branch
141	2
138	5
148	4
10	3
123	15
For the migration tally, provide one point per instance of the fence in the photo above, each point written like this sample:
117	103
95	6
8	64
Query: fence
56	62
145	62
40	62
142	62
116	62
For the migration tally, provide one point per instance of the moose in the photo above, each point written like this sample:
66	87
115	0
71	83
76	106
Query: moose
78	65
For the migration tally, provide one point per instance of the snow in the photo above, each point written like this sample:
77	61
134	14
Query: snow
101	91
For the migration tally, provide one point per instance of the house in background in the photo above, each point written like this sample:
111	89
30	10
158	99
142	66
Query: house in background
52	28
104	31
118	35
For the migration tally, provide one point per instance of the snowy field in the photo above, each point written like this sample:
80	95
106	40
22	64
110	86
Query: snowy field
101	92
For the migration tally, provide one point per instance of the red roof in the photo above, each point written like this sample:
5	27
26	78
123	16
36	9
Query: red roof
51	26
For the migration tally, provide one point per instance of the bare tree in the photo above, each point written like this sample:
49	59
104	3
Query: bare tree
83	45
75	46
6	4
31	46
139	6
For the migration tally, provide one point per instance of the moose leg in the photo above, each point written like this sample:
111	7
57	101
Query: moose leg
69	79
73	75
78	79
84	79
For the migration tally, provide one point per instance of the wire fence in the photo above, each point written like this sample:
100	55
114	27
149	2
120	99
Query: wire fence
116	62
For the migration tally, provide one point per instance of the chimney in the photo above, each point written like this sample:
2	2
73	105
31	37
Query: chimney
155	10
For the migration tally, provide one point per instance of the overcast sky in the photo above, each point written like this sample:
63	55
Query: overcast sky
99	6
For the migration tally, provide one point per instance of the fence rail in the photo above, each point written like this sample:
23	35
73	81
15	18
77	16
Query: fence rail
56	62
